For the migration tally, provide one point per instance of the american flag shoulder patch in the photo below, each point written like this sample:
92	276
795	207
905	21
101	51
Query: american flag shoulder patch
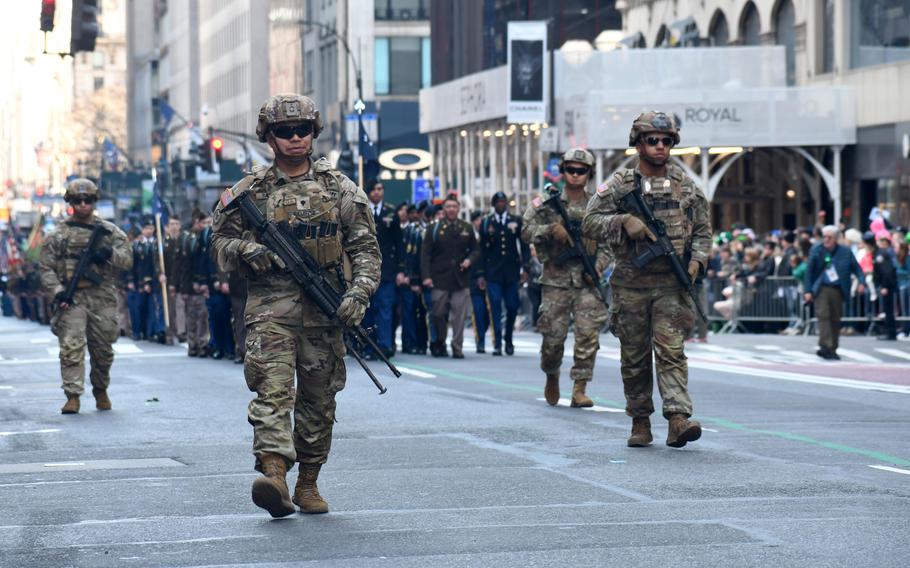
226	197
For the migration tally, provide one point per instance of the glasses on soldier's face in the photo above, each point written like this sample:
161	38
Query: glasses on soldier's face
287	131
81	200
655	140
576	171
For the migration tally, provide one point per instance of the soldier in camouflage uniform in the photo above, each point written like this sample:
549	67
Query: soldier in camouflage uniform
287	334
92	317
651	313
567	291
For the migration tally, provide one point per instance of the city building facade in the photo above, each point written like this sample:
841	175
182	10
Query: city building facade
863	44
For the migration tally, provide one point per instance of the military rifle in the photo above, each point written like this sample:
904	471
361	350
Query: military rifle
634	202
279	239
577	250
83	270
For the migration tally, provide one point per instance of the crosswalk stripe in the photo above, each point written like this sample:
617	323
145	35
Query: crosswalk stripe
893	352
857	356
596	408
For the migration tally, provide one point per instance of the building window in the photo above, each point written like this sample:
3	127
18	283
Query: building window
828	36
403	10
750	26
402	65
720	33
785	35
880	32
99	83
309	64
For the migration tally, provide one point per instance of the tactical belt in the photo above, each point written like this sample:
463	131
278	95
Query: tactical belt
315	230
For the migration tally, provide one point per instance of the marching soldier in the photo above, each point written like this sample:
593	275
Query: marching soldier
449	251
651	313
566	290
174	267
91	318
505	261
481	312
287	334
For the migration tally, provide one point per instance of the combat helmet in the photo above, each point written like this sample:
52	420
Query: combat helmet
579	155
287	107
654	121
81	186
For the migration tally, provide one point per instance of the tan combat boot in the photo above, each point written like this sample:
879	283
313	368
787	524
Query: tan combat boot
270	491
551	391
72	404
306	494
682	430
641	433
102	402
579	398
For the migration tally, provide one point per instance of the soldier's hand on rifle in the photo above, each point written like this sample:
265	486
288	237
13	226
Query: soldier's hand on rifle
256	256
588	280
102	254
353	306
636	228
559	233
58	299
694	267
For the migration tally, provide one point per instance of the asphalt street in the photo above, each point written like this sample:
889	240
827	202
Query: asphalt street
803	462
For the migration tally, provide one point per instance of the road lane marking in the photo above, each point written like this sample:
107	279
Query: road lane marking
596	408
126	348
416	373
857	356
794	377
6	387
40	340
767	347
723	423
893	352
12	362
892	469
44	431
129	463
709	430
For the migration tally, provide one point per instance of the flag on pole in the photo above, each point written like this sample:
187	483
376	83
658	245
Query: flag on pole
166	110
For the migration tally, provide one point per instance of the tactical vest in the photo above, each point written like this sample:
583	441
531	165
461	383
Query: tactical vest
311	207
73	244
671	202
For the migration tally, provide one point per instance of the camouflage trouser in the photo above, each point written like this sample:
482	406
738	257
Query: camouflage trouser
91	321
274	354
556	308
654	320
197	322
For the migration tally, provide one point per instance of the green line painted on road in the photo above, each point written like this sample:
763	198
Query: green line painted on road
879	456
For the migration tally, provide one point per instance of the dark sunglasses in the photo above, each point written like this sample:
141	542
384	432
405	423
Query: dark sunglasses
81	200
286	132
576	171
654	140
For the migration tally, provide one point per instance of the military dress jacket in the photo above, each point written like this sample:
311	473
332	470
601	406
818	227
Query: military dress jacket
504	252
446	244
329	216
391	243
675	200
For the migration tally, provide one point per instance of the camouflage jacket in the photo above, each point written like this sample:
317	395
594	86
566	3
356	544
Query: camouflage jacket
675	200
62	248
537	230
331	218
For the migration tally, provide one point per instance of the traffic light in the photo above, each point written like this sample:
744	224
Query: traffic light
48	7
205	156
85	26
217	145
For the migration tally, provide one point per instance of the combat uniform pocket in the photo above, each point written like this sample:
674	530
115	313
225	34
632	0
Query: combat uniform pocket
329	251
613	318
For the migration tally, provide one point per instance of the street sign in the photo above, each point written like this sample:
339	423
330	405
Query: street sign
549	139
423	189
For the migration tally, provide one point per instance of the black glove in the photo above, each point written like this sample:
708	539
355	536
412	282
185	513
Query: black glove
58	298
102	254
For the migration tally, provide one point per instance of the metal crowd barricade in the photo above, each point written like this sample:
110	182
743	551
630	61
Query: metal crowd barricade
773	299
